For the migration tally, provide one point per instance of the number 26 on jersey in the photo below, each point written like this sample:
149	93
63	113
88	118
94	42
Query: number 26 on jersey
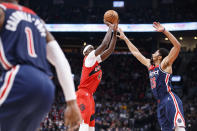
153	82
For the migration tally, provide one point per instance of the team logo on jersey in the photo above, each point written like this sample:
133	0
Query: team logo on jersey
153	73
179	120
98	68
82	107
95	70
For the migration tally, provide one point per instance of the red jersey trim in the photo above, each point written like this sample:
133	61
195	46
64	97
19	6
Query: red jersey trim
17	7
153	67
3	7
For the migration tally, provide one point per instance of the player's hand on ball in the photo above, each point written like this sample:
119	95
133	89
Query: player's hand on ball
122	35
109	24
158	27
115	28
72	115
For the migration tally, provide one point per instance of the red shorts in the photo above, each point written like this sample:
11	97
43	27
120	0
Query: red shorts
86	104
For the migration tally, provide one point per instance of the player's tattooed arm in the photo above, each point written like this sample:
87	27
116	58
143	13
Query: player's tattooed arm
2	17
105	41
111	47
174	52
134	50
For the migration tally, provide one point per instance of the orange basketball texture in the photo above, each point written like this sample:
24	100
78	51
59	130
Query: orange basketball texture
111	16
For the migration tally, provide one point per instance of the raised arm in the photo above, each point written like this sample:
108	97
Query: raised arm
105	41
134	50
174	52
111	47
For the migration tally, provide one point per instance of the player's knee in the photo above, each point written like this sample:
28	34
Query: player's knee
180	128
84	127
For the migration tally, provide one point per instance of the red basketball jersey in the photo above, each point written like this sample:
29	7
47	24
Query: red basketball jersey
90	77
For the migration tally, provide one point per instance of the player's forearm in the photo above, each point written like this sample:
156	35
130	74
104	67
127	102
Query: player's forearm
131	47
56	57
172	39
113	42
104	43
111	48
107	38
137	53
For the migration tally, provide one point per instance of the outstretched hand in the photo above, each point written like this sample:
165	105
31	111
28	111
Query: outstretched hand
158	27
110	25
122	35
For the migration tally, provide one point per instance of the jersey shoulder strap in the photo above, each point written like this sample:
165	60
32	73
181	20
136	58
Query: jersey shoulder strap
152	67
6	6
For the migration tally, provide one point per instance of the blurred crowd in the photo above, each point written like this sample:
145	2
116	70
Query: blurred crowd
124	101
61	12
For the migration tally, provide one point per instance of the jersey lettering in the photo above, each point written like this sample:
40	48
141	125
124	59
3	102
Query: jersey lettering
40	27
18	16
160	82
90	77
152	73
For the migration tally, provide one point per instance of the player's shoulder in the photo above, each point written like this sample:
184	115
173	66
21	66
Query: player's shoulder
90	56
6	6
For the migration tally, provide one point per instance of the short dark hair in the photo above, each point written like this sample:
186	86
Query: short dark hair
163	52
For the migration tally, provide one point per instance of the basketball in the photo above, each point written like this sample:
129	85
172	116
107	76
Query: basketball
111	16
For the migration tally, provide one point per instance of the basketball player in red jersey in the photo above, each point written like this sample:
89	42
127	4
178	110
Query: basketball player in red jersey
91	77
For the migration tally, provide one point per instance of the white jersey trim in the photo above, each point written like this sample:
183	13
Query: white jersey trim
4	62
163	71
92	59
3	7
8	84
178	116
